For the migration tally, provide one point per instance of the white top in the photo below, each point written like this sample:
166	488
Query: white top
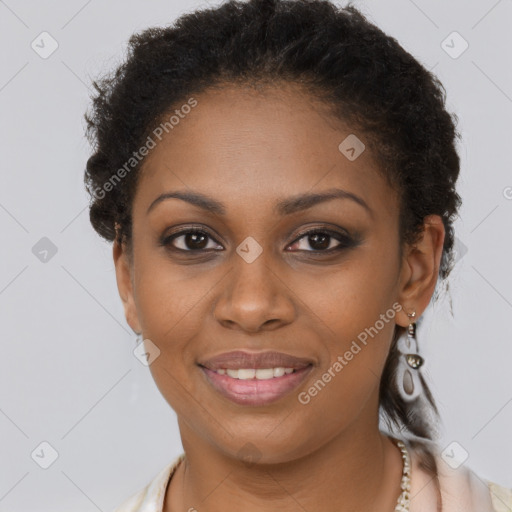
461	489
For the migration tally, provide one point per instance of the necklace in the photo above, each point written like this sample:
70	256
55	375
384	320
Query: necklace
403	501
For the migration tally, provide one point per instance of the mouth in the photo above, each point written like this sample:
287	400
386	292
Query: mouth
255	386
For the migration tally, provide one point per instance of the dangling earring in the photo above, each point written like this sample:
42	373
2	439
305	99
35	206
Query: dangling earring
409	363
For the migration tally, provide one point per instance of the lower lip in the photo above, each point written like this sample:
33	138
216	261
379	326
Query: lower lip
254	391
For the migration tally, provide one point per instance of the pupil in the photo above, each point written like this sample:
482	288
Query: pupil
323	244
191	240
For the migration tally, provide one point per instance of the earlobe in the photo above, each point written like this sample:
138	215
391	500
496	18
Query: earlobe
421	269
125	285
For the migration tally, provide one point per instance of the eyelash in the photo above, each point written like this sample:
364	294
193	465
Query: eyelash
345	242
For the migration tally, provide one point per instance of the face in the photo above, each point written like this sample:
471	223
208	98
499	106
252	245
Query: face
271	266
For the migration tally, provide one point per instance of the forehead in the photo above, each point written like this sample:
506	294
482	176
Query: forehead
242	144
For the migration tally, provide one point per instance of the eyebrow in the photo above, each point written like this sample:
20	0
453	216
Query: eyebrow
283	207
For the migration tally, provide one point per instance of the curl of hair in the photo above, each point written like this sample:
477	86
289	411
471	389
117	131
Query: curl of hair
367	80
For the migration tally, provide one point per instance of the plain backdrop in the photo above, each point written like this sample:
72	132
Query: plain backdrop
68	375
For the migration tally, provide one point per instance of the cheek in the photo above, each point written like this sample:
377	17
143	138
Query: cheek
168	296
173	303
352	315
348	383
345	299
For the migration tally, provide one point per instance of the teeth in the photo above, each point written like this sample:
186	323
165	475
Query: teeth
246	374
264	373
251	373
276	372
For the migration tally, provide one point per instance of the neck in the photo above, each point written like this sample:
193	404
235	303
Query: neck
359	470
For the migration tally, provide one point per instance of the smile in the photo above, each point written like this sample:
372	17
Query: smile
255	387
253	373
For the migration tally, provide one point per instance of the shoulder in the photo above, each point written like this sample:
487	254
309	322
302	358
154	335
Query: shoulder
461	487
501	497
151	497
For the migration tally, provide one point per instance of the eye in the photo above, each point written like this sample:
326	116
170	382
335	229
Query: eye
322	240
190	240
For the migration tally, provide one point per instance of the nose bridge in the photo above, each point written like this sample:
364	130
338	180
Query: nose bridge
254	294
252	262
253	282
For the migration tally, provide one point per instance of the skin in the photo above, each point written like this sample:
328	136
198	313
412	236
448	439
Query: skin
249	149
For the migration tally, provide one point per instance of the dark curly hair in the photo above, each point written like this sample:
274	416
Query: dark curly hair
366	79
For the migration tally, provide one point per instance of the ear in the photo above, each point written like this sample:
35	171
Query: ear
420	269
124	277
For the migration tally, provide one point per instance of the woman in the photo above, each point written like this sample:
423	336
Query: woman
278	181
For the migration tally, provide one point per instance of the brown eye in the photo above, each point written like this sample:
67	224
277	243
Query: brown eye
190	240
319	241
322	241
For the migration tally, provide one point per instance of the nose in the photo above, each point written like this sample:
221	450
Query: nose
254	298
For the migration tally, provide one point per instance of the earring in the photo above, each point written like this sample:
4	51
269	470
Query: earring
409	363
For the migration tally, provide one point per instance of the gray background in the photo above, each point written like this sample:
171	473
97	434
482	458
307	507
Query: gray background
67	372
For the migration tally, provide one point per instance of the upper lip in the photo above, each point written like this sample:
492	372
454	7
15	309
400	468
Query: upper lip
240	359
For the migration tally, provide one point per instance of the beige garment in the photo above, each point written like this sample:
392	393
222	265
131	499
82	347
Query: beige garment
461	489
